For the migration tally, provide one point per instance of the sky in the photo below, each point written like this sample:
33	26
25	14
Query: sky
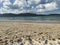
30	6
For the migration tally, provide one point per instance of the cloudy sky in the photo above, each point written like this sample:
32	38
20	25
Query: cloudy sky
30	6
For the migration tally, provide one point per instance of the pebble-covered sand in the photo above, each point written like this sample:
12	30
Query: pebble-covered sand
20	33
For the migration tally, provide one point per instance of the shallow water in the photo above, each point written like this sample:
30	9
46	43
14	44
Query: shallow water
31	18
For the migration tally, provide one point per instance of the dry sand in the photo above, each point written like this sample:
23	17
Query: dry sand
24	33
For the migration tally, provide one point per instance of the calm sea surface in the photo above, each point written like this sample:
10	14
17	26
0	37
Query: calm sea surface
31	18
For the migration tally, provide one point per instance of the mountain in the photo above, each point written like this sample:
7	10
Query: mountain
26	14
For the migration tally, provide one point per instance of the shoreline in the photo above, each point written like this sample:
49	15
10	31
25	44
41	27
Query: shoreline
32	21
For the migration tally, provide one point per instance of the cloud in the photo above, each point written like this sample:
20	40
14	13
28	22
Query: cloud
6	4
42	6
16	7
29	6
46	7
1	1
33	1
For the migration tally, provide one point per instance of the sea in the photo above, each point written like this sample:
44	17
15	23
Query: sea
33	18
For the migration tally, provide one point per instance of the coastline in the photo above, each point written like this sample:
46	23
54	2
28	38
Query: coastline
33	21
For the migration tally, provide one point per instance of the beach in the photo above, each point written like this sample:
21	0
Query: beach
29	33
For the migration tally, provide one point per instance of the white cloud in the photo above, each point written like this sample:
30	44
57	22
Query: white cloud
19	6
47	7
19	3
6	4
1	1
51	6
33	1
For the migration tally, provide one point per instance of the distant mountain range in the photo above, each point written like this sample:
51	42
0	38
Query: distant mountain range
26	14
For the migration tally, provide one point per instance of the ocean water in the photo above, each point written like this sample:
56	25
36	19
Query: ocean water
31	18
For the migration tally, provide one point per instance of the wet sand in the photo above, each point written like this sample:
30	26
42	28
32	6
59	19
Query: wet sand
29	33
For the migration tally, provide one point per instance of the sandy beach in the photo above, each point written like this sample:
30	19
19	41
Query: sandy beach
29	33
